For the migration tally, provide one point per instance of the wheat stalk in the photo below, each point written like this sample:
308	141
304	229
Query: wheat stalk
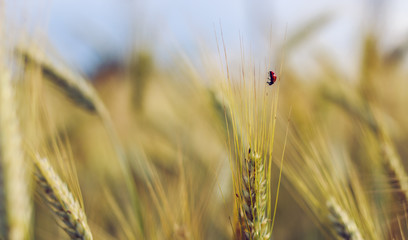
343	225
14	167
3	220
61	201
254	223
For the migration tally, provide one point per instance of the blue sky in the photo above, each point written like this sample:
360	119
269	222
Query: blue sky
86	31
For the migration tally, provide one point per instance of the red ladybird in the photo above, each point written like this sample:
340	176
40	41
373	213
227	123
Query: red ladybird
272	78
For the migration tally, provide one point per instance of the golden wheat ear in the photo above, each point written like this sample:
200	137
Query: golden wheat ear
343	225
61	201
74	86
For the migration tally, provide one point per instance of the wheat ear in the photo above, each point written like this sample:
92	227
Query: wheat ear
14	167
73	85
81	92
61	201
397	176
394	169
254	223
343	225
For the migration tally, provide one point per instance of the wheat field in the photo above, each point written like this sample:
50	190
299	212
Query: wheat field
139	151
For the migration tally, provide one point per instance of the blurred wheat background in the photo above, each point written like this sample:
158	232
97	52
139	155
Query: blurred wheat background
153	120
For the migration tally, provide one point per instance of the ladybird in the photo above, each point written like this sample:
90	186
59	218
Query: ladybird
272	78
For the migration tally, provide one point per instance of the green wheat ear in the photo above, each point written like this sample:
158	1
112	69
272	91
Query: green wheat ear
254	223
